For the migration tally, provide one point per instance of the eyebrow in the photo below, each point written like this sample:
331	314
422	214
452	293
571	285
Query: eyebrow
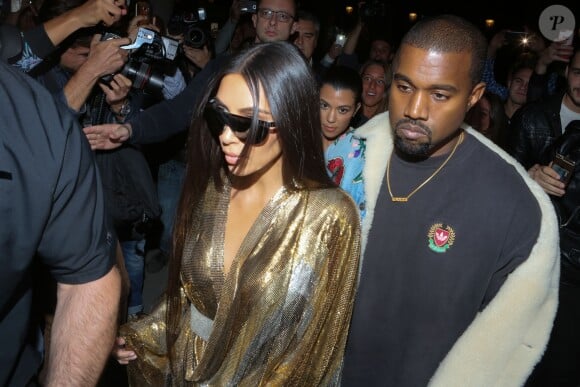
246	110
343	105
401	77
250	110
372	76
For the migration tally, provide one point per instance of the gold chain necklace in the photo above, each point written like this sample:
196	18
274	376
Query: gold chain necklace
403	199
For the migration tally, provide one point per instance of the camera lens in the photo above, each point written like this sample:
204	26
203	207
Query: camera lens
196	37
144	76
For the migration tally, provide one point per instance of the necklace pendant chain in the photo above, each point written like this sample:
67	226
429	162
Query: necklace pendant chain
404	199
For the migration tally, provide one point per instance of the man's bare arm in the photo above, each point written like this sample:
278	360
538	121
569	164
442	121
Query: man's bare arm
103	58
86	15
83	331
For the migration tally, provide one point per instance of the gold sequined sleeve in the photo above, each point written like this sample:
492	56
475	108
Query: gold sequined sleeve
317	358
146	337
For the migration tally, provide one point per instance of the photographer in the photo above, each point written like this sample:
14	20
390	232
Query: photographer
170	117
190	29
27	49
84	59
168	157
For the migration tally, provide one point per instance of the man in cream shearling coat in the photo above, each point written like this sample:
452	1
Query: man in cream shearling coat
459	281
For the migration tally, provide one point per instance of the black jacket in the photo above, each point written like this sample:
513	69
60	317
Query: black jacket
568	206
534	128
170	117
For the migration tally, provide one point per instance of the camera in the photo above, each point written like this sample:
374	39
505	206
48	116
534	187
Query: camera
340	40
152	45
564	167
248	7
193	26
372	10
144	67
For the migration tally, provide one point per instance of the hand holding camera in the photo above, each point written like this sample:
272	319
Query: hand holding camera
145	66
340	40
107	57
548	179
566	149
116	91
140	21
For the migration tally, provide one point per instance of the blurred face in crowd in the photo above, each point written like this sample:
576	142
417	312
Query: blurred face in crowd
381	51
480	117
234	97
518	86
274	20
572	97
430	94
337	107
374	85
307	37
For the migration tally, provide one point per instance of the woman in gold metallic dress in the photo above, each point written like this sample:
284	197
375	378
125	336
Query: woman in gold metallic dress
262	284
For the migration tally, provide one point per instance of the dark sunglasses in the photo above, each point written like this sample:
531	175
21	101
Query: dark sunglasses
217	117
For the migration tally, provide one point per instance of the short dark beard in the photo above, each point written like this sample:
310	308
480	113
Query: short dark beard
419	151
404	147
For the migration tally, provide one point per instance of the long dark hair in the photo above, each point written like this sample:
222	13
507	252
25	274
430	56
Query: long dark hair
344	78
292	93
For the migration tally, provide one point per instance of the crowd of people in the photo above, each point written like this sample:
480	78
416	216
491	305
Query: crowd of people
401	217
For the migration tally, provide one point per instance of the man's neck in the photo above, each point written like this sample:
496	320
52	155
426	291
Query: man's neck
510	108
369	111
570	104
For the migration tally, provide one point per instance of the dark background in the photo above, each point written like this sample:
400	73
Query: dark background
507	14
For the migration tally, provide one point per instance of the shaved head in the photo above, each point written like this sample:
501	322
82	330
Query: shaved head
449	34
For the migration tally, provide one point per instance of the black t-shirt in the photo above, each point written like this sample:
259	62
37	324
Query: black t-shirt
51	211
433	263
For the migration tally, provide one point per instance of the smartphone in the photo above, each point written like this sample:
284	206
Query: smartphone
248	6
201	13
564	167
515	37
340	40
142	8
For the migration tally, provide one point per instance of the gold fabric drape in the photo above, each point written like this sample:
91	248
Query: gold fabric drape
281	315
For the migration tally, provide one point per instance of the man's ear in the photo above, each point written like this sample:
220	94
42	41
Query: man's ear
476	94
293	28
254	19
